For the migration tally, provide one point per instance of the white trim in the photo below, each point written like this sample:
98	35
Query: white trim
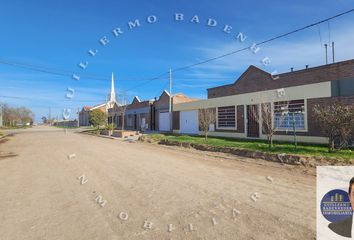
317	90
291	129
304	139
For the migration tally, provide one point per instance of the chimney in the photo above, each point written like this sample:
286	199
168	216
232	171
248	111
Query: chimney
307	66
292	69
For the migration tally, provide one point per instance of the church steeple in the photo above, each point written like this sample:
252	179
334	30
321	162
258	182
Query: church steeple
111	98
113	93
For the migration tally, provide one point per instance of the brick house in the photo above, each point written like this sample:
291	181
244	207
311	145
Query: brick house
152	115
85	111
161	107
291	95
138	115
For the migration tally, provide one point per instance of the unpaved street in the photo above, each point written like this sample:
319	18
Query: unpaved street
199	194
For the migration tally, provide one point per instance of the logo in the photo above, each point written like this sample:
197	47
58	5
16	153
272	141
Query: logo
335	192
335	205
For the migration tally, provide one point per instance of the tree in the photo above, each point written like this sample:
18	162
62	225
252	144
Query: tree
206	117
267	122
122	110
110	127
336	122
13	116
44	120
97	118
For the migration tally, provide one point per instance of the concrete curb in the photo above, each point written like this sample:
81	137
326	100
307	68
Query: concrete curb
283	158
109	137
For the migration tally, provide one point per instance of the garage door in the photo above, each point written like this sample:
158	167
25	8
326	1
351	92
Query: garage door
164	122
189	122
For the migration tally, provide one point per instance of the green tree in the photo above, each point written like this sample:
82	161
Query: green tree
97	118
110	127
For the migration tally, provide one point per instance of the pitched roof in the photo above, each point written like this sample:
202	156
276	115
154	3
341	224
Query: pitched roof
98	106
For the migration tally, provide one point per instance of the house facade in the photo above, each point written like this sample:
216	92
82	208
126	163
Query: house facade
149	115
85	111
291	97
163	118
138	115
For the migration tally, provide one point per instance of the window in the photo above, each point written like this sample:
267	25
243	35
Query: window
227	117
288	113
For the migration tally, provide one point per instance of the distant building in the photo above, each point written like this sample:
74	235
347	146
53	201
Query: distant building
153	114
104	107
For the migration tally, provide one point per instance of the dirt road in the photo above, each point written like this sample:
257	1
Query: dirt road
146	188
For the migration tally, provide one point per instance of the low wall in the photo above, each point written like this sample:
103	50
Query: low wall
291	159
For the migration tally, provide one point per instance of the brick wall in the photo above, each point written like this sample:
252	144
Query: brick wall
255	79
313	128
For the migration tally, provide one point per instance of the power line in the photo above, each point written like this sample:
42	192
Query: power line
265	41
46	99
65	73
148	81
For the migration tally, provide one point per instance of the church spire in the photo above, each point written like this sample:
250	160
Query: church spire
113	94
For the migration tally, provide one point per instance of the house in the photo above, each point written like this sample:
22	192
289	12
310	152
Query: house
152	115
161	108
115	115
85	111
84	116
138	115
291	97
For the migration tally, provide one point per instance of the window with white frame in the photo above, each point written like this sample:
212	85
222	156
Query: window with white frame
227	117
289	114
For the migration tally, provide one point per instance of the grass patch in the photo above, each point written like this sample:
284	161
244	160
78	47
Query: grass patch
259	145
14	127
68	127
93	131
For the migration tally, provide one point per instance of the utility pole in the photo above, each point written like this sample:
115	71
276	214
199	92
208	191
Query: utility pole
1	114
50	116
333	51
326	53
170	107
78	117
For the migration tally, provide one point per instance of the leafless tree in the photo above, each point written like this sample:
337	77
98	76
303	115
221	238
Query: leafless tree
13	116
336	121
206	117
268	127
122	110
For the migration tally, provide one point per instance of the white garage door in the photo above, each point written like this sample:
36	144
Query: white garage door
164	122
188	122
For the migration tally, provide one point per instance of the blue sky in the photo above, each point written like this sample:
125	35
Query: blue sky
58	34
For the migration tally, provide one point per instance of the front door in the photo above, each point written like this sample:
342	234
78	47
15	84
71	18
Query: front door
135	122
252	121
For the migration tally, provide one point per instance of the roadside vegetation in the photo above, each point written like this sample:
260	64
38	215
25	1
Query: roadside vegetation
69	127
258	145
97	118
13	117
